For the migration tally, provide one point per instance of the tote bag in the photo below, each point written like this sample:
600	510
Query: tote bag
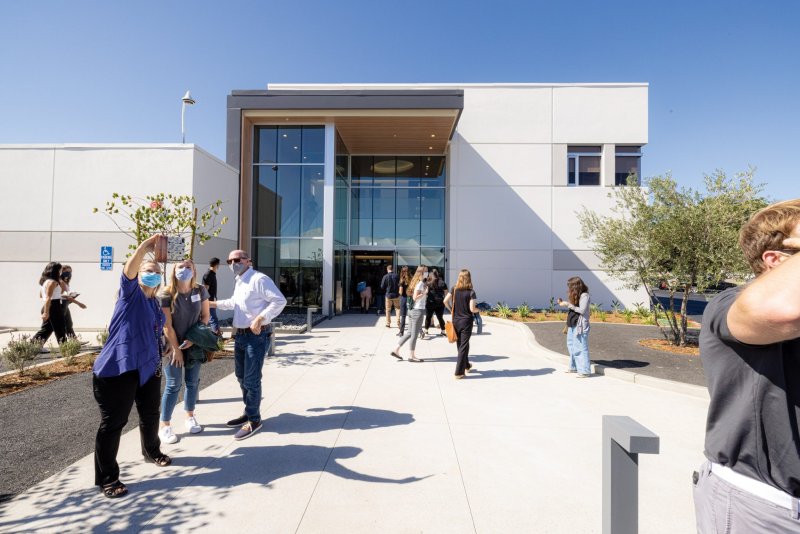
449	329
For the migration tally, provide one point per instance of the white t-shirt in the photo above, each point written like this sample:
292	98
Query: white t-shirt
56	291
420	304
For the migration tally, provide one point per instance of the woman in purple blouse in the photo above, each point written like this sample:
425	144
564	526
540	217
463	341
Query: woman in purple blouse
128	370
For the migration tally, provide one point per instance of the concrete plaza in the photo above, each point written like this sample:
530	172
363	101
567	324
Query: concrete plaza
356	441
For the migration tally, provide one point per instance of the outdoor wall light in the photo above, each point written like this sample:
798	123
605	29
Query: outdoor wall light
187	99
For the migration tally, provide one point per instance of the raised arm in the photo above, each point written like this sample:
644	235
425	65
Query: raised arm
768	309
131	269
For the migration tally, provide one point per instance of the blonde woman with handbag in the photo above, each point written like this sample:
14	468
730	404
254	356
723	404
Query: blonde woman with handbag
462	303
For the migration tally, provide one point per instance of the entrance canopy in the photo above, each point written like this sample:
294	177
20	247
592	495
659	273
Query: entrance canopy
416	121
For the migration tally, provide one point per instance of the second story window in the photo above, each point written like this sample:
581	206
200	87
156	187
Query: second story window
583	167
627	162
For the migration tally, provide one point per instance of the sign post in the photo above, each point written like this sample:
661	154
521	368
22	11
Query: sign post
106	258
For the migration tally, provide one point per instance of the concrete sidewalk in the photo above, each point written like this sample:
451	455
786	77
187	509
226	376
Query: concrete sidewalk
355	441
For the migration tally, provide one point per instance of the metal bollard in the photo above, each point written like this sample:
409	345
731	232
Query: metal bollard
271	351
623	440
309	313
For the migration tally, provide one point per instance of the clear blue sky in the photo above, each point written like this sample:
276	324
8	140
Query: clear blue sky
724	76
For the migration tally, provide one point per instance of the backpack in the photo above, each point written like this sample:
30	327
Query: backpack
361	286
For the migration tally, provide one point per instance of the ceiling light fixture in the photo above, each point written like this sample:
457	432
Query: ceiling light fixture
388	166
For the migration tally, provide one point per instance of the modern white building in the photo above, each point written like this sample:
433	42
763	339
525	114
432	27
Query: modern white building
326	184
339	180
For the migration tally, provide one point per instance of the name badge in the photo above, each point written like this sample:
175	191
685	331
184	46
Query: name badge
196	297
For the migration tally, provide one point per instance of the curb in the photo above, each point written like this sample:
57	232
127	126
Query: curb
43	364
620	374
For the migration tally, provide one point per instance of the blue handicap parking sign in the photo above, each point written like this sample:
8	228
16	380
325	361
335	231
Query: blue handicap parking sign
106	258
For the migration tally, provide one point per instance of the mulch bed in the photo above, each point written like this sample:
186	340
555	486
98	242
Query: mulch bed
666	346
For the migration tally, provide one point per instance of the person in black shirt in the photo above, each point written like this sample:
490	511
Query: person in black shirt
390	285
462	304
750	348
210	281
435	303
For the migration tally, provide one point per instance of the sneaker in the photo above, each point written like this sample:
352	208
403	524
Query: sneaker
44	350
247	430
583	375
571	371
192	426
236	423
166	435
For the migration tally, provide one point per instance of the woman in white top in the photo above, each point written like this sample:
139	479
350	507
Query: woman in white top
52	312
416	314
578	327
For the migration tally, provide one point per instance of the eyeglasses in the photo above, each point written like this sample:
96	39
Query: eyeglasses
236	260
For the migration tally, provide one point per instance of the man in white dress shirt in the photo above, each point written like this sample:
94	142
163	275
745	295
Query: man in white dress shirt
256	301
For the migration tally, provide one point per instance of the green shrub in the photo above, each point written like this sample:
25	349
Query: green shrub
561	316
640	310
220	344
69	349
551	307
524	310
601	316
616	306
628	315
503	310
21	351
102	337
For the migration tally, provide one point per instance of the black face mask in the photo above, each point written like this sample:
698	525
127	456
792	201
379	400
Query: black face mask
66	276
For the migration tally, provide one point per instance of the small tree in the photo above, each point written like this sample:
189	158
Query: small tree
678	237
163	213
21	351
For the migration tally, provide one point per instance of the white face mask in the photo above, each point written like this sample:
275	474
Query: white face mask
425	276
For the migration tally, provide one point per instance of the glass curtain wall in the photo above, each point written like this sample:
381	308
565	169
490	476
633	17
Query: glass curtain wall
288	183
341	266
398	203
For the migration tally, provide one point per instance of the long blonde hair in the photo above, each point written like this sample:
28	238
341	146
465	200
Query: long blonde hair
172	288
464	280
417	278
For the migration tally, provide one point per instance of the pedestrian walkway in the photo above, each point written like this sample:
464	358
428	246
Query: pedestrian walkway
356	441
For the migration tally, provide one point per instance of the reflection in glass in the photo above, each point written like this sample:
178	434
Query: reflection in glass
313	144
433	257
310	287
265	256
289	142
288	268
266	145
408	171
432	209
361	219
408	217
312	201
288	209
408	257
626	165
340	214
383	211
571	172
589	170
432	171
361	170
266	200
383	171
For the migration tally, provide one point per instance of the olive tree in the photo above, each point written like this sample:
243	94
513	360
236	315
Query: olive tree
677	237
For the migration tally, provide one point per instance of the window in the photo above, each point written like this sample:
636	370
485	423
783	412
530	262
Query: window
583	167
627	162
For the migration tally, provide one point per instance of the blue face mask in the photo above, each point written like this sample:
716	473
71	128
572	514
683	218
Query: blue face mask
183	274
150	279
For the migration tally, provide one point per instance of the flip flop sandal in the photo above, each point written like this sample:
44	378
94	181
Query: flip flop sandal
115	490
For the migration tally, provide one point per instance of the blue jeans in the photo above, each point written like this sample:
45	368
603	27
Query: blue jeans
213	323
174	376
578	347
249	352
478	321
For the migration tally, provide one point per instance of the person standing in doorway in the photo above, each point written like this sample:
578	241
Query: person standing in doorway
463	305
210	282
403	290
418	296
256	302
578	327
750	348
390	285
69	297
52	310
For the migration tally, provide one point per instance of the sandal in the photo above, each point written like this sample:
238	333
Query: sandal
393	353
114	490
415	360
162	460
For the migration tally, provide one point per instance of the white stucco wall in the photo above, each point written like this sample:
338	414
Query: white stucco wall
48	193
511	215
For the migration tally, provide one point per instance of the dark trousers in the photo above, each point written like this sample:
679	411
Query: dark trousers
248	359
213	322
54	323
438	309
115	396
403	314
463	333
68	330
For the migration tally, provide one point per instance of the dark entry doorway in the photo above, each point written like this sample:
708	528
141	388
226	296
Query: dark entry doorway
369	267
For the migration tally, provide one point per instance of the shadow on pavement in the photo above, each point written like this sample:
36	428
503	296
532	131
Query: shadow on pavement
622	364
509	373
348	417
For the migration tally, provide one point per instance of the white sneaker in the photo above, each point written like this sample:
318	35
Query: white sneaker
166	435
192	426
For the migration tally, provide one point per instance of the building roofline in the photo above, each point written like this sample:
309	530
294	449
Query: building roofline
437	86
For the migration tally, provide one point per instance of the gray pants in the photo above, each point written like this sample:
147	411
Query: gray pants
415	318
723	508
